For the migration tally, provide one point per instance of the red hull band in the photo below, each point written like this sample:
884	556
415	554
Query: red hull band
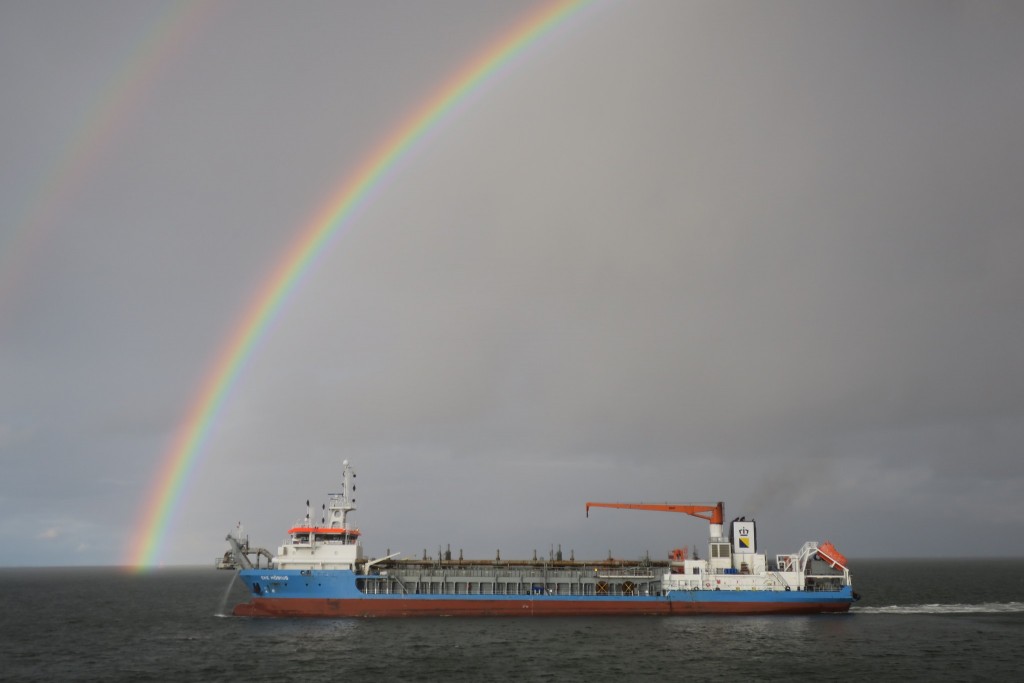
313	607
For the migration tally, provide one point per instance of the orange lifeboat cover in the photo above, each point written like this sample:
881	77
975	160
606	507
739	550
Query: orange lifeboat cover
828	553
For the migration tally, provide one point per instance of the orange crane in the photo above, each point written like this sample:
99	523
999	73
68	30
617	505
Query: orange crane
712	513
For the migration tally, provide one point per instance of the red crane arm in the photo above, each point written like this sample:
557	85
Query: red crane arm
713	513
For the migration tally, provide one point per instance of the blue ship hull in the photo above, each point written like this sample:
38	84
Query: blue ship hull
335	593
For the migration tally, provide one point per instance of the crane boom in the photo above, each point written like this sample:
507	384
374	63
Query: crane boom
712	513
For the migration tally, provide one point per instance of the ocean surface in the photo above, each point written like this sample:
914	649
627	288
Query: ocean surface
934	619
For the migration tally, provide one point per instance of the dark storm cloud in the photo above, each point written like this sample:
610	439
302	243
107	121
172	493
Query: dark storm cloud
767	254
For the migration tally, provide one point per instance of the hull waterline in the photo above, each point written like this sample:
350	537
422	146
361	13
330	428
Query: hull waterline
377	607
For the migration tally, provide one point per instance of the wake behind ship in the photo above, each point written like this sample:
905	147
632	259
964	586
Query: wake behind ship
321	572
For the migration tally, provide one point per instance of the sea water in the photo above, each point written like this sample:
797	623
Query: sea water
934	619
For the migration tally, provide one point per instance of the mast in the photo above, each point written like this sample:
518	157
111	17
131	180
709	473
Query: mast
342	503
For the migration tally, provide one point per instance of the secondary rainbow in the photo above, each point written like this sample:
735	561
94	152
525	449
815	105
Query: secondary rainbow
108	115
180	461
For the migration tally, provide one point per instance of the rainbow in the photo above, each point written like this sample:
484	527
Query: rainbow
107	115
180	462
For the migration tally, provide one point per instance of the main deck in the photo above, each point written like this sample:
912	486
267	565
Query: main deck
415	577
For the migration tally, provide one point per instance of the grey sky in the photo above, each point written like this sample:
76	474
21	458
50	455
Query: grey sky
768	253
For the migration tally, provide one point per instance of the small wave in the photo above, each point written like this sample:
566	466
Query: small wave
981	608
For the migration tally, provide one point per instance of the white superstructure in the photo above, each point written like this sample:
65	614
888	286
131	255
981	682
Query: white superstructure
330	545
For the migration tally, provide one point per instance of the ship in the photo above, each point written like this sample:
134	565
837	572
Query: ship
321	571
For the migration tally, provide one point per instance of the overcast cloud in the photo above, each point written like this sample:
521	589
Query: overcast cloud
769	253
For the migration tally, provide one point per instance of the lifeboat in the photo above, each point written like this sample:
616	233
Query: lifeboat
828	553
